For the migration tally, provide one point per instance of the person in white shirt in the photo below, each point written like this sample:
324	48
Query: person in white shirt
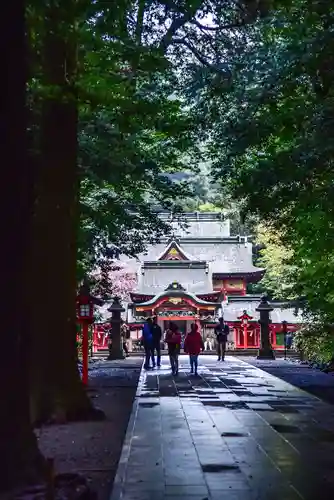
208	344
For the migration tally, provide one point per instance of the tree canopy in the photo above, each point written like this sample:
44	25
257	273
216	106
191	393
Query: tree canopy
275	258
107	124
270	140
121	97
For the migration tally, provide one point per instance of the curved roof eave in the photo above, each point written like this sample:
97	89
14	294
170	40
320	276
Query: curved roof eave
251	276
177	293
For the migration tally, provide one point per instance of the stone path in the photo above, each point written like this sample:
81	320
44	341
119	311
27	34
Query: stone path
236	432
298	374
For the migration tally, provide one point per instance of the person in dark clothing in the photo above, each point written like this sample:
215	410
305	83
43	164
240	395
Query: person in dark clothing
124	336
173	340
221	331
147	342
289	340
156	341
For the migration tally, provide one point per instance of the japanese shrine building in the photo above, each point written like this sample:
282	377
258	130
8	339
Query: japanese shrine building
199	274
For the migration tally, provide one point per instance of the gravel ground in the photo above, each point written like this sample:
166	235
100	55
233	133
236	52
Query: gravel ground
93	448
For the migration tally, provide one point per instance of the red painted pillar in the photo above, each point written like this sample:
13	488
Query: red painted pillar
273	336
245	337
95	338
241	338
85	352
244	287
238	336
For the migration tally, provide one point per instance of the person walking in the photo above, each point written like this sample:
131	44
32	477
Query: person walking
208	342
147	342
156	341
173	341
193	345
289	340
221	331
124	330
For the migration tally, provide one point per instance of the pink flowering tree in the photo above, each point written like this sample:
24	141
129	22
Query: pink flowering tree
113	279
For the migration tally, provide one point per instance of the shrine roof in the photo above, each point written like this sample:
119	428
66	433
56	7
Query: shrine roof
226	256
177	292
152	281
237	305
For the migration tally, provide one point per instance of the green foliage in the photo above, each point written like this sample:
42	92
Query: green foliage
208	207
315	343
276	258
131	134
206	194
134	127
139	116
271	142
133	131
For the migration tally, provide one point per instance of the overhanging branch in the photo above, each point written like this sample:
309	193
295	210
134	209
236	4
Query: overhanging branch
200	57
178	23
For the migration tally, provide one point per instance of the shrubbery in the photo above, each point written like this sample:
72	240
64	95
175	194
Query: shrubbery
316	342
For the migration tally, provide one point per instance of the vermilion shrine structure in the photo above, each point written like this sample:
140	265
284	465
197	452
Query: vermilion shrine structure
199	274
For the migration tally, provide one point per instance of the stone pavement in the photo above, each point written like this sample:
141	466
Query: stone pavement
236	432
298	374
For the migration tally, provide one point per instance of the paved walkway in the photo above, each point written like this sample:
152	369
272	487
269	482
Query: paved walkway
298	374
234	433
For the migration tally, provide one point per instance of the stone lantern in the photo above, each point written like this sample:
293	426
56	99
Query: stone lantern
264	308
116	344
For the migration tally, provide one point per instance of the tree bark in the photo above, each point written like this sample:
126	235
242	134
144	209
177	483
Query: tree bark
57	392
20	459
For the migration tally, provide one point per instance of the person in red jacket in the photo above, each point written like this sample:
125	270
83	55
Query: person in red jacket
193	345
173	340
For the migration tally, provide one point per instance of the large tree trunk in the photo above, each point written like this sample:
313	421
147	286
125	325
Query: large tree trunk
20	459
57	390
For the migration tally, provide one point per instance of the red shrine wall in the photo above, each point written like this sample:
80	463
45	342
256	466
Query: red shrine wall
240	337
248	336
230	286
